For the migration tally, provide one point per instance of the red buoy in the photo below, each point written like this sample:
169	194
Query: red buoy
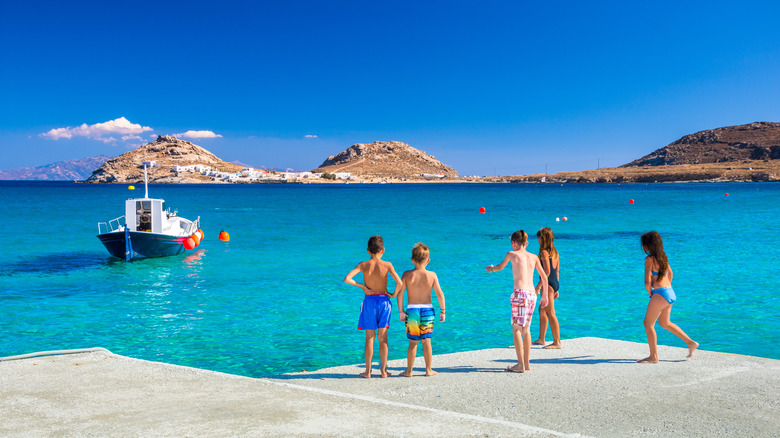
564	218
631	201
189	243
727	195
200	233
224	236
482	210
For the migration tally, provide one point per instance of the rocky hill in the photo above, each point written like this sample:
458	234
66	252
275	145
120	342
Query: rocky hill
71	170
385	159
166	152
754	141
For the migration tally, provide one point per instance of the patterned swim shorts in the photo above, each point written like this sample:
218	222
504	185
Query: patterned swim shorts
523	304
419	321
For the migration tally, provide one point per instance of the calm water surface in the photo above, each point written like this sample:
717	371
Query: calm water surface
272	300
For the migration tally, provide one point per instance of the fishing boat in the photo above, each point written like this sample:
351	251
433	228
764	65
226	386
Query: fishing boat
147	229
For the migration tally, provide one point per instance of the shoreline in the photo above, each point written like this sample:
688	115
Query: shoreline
591	387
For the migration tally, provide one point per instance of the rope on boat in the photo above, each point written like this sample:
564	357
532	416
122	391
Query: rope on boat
55	352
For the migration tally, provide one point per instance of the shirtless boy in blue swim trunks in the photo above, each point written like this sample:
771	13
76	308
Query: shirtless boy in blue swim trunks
523	298
419	314
376	307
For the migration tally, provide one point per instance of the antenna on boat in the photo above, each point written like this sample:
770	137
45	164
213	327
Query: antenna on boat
146	188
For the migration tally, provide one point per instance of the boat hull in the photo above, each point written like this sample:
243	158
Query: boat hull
143	244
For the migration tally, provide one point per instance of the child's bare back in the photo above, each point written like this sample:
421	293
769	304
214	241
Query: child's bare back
375	274
419	284
523	265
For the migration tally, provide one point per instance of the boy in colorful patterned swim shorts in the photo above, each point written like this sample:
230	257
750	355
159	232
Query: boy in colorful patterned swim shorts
376	307
523	296
419	314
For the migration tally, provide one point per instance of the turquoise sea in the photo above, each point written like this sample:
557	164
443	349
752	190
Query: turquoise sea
272	299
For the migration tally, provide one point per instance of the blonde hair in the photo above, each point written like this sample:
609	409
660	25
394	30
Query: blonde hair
547	242
420	252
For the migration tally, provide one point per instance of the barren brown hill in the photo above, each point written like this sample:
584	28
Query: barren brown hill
735	171
754	141
166	152
385	159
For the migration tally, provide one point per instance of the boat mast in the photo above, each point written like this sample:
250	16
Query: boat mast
146	188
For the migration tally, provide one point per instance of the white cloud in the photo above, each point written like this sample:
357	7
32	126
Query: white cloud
132	137
310	136
97	131
197	134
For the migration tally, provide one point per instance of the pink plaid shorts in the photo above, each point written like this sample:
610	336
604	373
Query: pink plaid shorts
523	305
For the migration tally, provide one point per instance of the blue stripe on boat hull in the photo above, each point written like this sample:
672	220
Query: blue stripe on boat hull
144	244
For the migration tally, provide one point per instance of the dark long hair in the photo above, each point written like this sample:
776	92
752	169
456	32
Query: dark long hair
547	242
654	245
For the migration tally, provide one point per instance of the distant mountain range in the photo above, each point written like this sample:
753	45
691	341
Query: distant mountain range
71	170
752	149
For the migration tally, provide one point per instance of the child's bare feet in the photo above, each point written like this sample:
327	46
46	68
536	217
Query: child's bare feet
553	346
365	375
516	368
406	374
649	359
692	347
429	373
539	342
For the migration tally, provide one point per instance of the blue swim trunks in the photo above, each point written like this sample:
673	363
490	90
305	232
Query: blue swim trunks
419	321
666	292
375	312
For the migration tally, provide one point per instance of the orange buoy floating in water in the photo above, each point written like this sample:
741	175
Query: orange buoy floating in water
195	238
189	243
482	210
224	236
630	201
564	218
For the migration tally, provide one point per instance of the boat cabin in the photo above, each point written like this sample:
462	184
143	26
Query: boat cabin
145	214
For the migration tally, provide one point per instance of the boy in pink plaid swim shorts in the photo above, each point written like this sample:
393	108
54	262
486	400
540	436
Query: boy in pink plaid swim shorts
523	305
523	297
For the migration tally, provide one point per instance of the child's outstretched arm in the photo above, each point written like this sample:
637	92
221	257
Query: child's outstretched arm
439	296
348	279
399	285
501	266
543	281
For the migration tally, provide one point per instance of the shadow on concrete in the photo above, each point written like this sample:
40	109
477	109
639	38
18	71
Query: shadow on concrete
464	369
396	371
577	360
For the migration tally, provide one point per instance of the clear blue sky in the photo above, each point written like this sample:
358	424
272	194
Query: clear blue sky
487	87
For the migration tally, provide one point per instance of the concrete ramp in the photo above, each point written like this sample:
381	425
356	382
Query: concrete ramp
592	387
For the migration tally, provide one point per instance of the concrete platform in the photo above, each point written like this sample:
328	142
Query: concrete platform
592	387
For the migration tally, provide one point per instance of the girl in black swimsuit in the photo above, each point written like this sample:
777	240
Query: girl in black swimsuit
551	263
